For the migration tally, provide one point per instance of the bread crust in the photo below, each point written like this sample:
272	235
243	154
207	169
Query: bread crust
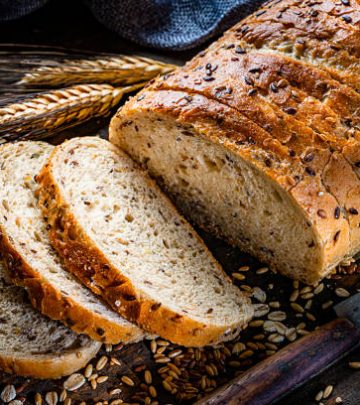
219	124
298	108
52	303
55	365
84	259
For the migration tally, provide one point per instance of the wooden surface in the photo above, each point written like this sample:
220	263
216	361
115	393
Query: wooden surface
70	24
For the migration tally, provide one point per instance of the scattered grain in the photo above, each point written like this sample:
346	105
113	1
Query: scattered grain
74	382
8	393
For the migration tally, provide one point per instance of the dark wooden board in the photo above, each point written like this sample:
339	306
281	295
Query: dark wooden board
70	24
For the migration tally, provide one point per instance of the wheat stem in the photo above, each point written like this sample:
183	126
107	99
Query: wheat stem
116	70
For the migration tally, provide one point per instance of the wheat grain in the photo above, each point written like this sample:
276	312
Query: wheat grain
45	113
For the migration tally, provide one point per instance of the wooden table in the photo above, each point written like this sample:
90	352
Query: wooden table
70	24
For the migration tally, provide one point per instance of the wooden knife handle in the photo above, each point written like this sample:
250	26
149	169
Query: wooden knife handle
289	367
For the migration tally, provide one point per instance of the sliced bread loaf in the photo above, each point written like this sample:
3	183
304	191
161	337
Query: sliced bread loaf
33	345
139	253
34	264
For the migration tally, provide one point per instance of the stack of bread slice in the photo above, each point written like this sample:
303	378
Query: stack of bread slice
100	248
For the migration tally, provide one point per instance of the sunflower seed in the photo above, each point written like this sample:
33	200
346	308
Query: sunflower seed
74	382
67	401
8	393
16	402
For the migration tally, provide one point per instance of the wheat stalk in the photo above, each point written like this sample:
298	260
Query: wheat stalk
44	114
116	70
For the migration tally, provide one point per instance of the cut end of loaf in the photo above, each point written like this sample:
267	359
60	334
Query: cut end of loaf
139	253
220	186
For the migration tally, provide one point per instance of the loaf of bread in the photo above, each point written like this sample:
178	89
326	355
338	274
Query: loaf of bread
122	237
257	138
32	262
34	346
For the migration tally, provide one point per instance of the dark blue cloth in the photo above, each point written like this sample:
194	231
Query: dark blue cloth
163	24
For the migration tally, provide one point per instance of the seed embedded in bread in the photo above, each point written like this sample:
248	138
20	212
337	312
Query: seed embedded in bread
164	279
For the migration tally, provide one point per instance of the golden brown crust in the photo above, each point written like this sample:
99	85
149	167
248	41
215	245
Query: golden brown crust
84	259
55	365
52	303
227	127
302	111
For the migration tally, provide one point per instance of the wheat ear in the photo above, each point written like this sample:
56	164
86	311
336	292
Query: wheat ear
116	70
46	113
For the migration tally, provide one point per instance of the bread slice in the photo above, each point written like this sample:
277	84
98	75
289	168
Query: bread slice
34	264
34	346
139	253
